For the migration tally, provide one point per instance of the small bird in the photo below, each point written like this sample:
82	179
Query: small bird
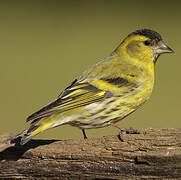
107	92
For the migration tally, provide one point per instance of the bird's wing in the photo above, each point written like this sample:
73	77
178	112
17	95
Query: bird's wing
76	95
103	80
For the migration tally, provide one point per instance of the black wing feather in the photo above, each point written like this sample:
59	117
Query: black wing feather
48	110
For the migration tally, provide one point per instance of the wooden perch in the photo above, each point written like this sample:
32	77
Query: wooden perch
154	153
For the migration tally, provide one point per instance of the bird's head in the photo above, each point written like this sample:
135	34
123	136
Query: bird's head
144	45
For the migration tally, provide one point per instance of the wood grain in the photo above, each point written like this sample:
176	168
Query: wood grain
154	153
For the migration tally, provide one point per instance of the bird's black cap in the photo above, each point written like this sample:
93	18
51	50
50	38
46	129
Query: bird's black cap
148	33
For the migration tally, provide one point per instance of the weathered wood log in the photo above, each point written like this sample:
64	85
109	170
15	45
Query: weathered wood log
154	153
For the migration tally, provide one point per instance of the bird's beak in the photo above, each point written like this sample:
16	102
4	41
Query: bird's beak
162	48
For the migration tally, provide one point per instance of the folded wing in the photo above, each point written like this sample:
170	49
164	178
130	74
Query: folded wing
76	95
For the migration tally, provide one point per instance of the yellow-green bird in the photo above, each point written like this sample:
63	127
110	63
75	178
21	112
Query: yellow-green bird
108	91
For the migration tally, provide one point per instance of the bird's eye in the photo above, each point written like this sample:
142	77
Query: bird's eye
147	43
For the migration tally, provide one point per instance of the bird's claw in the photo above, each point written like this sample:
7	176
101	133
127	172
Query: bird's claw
127	131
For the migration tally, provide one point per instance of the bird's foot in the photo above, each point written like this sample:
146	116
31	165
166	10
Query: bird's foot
127	131
132	131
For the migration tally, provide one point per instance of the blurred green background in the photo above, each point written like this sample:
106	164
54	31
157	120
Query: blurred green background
44	45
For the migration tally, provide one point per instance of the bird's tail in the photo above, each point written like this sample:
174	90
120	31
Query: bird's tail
38	126
33	130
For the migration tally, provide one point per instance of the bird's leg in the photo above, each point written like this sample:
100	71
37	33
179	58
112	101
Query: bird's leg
84	134
125	131
118	127
122	131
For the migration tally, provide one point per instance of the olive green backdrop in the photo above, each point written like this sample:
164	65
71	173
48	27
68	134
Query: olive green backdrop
44	45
